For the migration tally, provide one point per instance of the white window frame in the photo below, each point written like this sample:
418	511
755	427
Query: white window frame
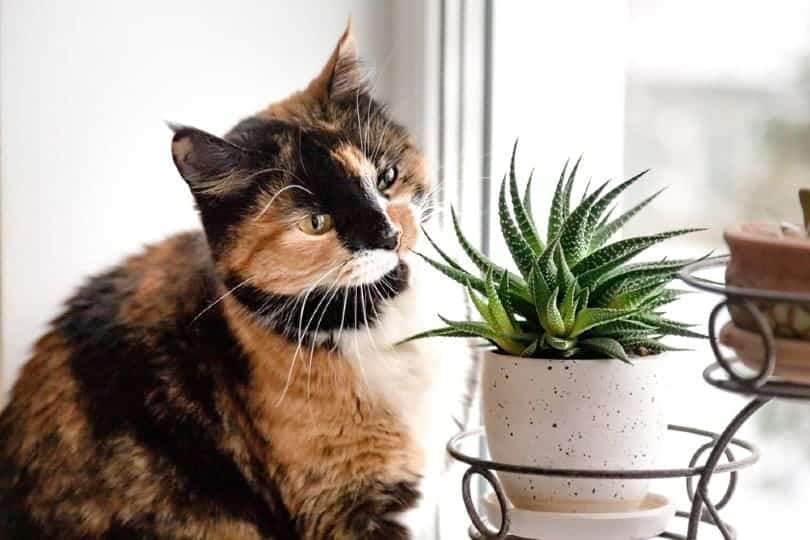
455	78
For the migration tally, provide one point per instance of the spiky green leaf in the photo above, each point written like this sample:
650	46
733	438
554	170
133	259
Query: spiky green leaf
436	332
631	275
666	297
557	212
524	222
564	275
589	318
522	254
600	206
587	190
505	294
622	327
574	237
667	326
540	290
441	253
604	220
603	233
569	185
527	198
595	265
584	298
644	347
531	348
482	262
481	306
544	264
627	337
634	298
459	276
607	346
568	308
520	298
561	344
500	317
485	331
550	316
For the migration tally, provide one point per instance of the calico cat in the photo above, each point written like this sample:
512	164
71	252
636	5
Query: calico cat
243	382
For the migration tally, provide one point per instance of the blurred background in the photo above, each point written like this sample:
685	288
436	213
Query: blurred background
713	96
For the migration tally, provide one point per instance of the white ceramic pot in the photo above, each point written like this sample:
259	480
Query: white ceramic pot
575	414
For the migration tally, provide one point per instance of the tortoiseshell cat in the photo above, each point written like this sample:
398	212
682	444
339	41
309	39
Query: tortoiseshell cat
243	383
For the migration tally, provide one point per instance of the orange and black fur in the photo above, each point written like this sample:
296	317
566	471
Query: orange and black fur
220	385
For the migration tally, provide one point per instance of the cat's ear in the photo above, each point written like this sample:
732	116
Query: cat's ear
209	164
342	76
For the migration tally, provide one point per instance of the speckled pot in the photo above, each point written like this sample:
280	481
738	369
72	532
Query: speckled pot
580	414
764	257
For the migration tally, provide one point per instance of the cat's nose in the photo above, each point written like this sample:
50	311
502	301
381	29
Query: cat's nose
390	239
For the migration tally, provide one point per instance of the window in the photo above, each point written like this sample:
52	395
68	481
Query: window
713	96
717	105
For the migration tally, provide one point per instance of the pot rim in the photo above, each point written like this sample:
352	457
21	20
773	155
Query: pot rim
633	359
741	233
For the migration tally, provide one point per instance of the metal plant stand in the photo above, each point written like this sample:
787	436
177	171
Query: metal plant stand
485	468
724	374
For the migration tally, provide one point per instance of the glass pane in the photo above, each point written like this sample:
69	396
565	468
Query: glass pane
718	104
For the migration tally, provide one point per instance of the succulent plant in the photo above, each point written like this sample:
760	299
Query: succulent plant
575	294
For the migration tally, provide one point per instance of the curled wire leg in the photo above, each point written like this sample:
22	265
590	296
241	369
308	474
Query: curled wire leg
768	343
732	480
705	519
483	530
701	496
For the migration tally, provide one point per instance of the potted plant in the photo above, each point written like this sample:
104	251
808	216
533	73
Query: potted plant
572	378
775	257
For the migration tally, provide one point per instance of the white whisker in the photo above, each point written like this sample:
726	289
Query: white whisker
300	154
358	357
279	192
365	317
220	299
335	287
342	320
301	331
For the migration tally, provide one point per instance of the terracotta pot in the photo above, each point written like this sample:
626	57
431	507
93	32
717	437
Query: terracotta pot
763	257
574	414
792	355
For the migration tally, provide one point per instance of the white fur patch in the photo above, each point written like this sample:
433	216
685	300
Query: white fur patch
424	381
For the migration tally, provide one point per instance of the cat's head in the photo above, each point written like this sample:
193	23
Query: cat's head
318	196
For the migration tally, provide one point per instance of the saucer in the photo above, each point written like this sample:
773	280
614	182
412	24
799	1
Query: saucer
648	522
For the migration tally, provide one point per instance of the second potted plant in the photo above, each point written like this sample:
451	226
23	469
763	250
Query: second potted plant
572	379
772	257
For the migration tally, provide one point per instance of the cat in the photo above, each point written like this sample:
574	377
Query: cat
246	381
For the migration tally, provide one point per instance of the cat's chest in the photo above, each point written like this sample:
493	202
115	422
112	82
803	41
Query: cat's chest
424	384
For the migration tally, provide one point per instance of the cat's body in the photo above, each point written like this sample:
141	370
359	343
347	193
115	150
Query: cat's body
244	383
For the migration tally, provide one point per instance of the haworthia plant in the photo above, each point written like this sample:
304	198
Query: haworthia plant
576	294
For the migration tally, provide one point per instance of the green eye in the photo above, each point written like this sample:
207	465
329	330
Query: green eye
316	224
387	178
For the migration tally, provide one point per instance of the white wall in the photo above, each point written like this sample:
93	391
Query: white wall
85	167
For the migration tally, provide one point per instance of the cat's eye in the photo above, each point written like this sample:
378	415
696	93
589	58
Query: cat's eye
387	178
316	224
